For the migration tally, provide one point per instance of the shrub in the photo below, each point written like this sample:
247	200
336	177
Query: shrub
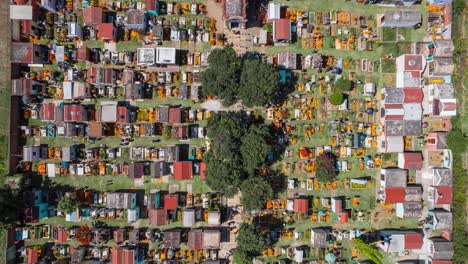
336	99
343	85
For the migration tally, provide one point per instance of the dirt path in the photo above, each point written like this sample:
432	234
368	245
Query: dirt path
215	10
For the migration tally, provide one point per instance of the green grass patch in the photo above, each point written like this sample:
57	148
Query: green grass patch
93	44
410	34
388	65
389	34
128	45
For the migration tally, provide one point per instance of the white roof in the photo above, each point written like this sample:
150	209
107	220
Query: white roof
394	111
60	53
23	12
401	160
146	56
68	90
213	218
394	144
412	111
166	55
188	218
369	88
109	111
51	170
444	112
396	243
274	11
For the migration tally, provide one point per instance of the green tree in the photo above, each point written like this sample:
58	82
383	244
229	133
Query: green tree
255	193
343	85
336	99
254	148
10	205
67	204
222	77
326	170
242	257
224	176
258	82
250	239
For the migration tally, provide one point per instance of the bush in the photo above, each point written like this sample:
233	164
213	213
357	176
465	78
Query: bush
336	99
67	204
343	85
326	170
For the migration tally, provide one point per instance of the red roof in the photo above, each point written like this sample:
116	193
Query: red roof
413	241
195	239
413	161
22	52
106	31
394	117
202	170
395	195
158	217
338	206
129	256
122	116
442	262
183	170
393	106
33	255
170	201
301	205
123	256
413	95
76	112
92	15
344	217
48	110
282	29
83	53
413	62
443	195
150	4
26	27
67	113
175	115
91	75
62	236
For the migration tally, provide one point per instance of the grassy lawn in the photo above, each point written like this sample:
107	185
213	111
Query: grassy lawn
112	183
388	65
389	34
410	34
128	45
320	5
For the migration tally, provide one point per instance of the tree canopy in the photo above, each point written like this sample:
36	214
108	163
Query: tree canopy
10	206
343	85
254	148
223	175
255	193
67	204
238	150
250	239
258	82
230	78
326	170
242	257
222	77
336	99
